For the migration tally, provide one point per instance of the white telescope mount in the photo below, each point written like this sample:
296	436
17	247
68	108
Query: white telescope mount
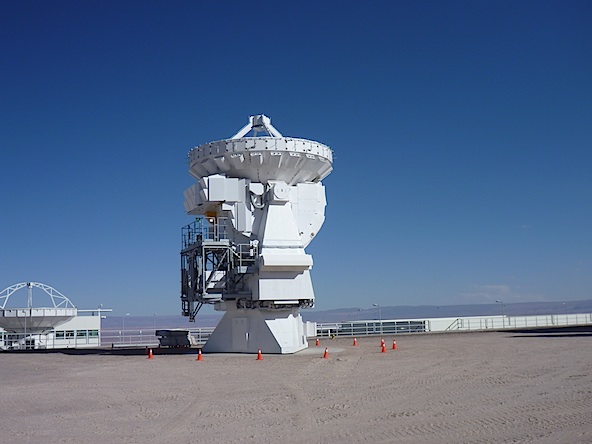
258	202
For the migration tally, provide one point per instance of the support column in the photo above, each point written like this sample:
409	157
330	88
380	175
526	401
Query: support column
244	330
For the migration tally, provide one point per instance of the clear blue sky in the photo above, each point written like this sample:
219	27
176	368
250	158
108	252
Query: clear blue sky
462	135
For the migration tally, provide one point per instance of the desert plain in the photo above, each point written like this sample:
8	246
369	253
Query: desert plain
486	387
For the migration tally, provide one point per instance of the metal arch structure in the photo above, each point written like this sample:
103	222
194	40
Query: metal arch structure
58	299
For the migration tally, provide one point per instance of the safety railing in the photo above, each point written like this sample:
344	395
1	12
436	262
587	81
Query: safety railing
203	230
510	322
366	328
471	323
148	338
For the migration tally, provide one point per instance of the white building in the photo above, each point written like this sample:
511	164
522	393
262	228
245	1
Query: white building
82	331
60	326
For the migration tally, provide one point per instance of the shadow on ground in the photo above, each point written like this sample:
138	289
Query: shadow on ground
554	332
128	351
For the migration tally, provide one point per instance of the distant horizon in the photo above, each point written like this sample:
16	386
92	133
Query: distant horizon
383	306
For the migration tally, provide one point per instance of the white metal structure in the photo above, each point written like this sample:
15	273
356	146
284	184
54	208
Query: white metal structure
34	320
61	325
259	202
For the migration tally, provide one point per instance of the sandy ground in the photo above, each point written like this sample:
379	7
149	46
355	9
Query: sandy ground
461	388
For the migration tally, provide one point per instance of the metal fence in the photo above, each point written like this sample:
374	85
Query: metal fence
513	322
366	328
469	323
147	338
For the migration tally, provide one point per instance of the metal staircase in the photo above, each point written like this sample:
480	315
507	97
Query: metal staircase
213	267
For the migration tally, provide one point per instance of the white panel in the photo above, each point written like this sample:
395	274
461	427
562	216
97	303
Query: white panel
232	190
217	188
310	211
307	191
243	219
256	188
278	227
285	285
285	261
203	189
241	190
288	332
260	144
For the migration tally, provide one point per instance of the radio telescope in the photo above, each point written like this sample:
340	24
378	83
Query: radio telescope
259	202
34	320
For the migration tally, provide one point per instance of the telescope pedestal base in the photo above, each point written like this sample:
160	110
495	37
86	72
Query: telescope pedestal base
248	330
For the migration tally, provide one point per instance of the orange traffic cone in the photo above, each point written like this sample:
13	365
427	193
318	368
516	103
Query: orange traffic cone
394	344
317	343
150	354
199	356
383	348
259	355
326	354
381	342
355	342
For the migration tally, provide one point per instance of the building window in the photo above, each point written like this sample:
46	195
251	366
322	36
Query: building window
93	333
60	334
69	334
81	333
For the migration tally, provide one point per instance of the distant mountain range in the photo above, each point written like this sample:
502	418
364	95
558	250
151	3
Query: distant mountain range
355	314
448	311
